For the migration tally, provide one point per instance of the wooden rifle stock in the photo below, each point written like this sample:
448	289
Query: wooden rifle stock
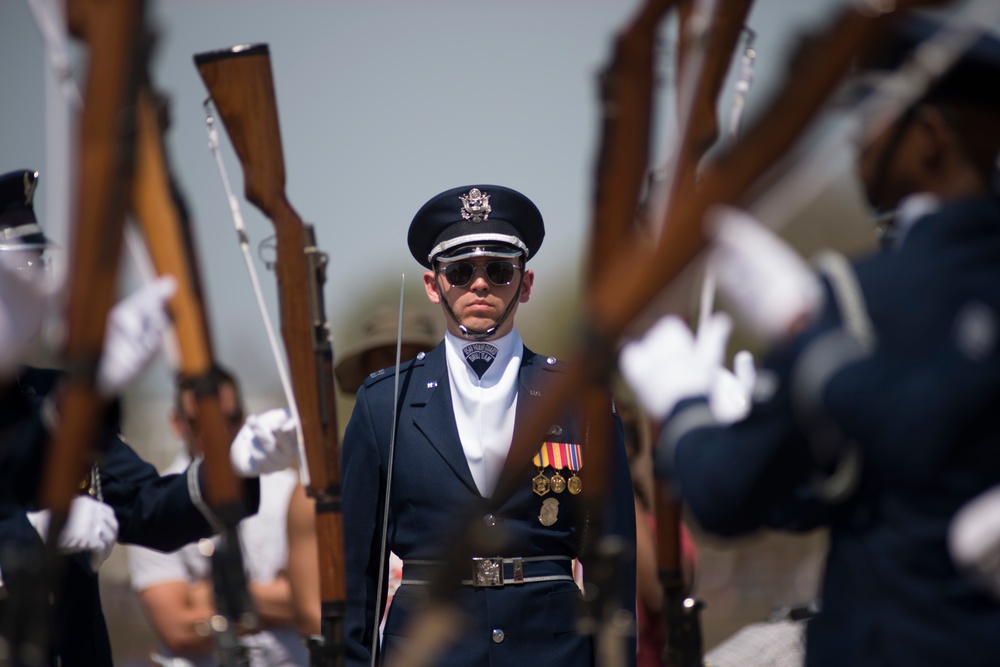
708	34
717	39
112	33
623	155
627	86
241	86
156	205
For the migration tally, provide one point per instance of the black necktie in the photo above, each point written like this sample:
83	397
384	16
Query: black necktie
480	357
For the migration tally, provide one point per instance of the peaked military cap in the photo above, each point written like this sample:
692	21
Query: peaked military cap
475	215
974	77
19	229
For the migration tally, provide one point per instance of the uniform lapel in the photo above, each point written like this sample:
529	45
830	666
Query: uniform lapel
434	416
529	391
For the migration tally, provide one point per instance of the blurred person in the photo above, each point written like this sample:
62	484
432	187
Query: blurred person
123	498
877	411
459	407
175	589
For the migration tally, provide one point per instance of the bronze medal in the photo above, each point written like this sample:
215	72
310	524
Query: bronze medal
558	483
540	484
550	512
575	485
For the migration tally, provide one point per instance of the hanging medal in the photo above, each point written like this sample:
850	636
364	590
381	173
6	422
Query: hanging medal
574	455
540	483
557	459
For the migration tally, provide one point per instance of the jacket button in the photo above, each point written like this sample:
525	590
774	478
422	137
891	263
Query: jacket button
497	635
490	520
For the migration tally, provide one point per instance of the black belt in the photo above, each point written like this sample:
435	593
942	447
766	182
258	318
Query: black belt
498	571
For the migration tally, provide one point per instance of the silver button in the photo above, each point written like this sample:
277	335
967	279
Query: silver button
497	635
490	520
431	385
550	361
421	355
555	429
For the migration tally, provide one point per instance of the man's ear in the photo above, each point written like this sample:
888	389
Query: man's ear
432	287
526	283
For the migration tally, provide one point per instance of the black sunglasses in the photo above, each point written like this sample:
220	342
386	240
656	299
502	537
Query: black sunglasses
460	274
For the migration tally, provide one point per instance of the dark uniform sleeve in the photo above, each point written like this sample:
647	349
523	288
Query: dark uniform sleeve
363	491
757	472
160	512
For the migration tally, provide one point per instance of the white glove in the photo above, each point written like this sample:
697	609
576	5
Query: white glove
974	539
668	364
135	330
23	306
732	391
766	283
91	526
265	443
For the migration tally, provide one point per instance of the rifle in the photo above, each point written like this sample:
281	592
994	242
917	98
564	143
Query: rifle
240	83
626	87
156	204
708	35
112	33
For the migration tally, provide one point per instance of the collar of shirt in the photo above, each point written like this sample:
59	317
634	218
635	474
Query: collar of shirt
484	409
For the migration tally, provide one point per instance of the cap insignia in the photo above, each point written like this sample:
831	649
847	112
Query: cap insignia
475	205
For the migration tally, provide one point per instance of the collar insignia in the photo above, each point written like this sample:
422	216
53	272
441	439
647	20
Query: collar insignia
475	205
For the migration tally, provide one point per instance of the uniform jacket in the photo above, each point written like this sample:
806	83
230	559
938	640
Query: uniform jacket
923	408
433	494
162	513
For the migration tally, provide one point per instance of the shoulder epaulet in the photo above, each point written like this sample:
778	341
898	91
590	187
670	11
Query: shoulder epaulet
551	363
384	373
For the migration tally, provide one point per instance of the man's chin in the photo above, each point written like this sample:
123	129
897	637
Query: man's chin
478	324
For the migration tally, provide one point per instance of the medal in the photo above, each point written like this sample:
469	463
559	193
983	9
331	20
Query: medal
558	455
550	512
574	484
558	483
540	484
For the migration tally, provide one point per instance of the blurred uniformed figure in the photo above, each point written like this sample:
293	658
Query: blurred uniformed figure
877	412
122	498
459	407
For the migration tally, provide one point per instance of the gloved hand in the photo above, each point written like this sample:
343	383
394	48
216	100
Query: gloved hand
91	526
974	539
265	443
765	282
135	330
668	364
732	391
23	305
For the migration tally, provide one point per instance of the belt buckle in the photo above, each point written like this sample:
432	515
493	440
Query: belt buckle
487	572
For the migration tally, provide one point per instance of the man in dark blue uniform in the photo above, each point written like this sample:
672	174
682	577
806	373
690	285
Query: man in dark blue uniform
123	497
459	406
881	417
